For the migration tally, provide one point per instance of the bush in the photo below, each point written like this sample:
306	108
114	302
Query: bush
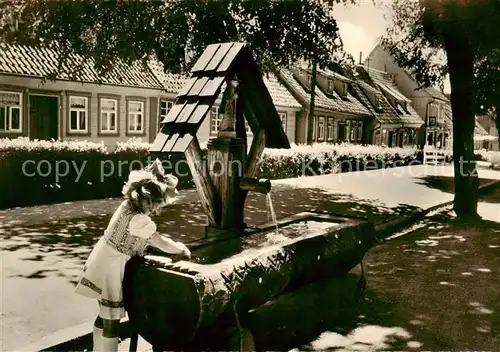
42	172
318	159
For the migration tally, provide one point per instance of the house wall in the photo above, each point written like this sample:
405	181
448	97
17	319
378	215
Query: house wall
381	60
64	89
150	97
337	119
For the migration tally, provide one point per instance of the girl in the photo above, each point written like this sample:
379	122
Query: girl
129	232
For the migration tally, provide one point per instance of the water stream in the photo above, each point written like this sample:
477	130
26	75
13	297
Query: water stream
276	236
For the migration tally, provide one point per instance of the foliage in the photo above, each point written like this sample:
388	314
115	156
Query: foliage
25	144
322	158
463	31
417	44
279	33
51	173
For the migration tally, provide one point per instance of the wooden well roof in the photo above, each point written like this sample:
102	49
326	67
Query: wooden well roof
217	63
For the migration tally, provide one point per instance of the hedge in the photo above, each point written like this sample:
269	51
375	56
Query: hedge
34	173
44	172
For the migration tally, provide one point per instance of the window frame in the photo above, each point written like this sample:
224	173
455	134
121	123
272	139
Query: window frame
284	119
215	121
330	123
116	99
360	131
314	132
330	86
78	111
135	132
353	133
321	128
170	104
8	111
345	90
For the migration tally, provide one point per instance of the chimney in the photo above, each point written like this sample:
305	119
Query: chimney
360	57
385	68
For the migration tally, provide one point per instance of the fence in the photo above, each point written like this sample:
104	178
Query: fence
433	155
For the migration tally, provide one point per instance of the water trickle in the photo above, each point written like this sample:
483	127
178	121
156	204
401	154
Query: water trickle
276	236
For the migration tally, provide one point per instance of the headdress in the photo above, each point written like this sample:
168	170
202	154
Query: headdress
151	182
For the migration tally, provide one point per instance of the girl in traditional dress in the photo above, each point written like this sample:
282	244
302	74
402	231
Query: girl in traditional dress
129	232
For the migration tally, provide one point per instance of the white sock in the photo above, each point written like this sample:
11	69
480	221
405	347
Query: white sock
110	344
97	336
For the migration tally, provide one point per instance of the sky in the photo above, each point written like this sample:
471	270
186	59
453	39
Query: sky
360	26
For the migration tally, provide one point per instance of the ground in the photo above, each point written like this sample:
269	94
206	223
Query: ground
45	247
435	288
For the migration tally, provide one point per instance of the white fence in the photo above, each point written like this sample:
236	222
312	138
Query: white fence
433	155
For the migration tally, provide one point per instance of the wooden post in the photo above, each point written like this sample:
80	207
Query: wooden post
208	196
256	150
227	158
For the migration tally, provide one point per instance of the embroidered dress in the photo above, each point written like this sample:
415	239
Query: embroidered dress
127	235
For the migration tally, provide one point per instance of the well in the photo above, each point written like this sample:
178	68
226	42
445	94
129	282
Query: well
213	300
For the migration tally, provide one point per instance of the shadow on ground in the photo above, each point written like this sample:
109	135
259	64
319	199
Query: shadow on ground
436	288
60	247
444	183
442	282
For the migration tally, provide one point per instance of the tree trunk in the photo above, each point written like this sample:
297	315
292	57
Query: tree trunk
461	70
310	117
497	120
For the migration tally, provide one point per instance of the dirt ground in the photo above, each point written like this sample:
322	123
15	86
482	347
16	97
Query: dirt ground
435	288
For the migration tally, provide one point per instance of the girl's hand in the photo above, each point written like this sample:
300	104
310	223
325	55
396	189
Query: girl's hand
184	250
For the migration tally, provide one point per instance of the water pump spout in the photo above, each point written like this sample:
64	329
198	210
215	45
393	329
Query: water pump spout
261	185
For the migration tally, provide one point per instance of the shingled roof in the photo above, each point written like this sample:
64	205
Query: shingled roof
25	60
218	63
334	103
385	84
385	114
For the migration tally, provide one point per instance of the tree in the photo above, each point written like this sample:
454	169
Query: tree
461	29
487	85
175	32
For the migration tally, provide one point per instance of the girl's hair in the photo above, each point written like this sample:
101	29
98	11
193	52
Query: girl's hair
144	184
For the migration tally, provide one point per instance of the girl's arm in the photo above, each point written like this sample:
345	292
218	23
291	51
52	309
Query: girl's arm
167	245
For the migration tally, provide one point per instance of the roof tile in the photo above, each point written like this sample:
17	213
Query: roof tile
334	103
40	62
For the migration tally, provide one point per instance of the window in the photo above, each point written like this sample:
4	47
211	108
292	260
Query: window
341	134
165	107
10	111
314	134
135	115
330	86
344	89
78	114
309	81
347	130
354	131
215	119
321	128
109	115
377	102
329	130
360	130
283	120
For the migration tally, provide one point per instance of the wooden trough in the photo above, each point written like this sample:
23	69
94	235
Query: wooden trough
235	269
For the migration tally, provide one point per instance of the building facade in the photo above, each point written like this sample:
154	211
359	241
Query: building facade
338	115
131	101
432	105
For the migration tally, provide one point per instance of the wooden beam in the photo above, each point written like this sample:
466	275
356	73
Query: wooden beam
255	185
256	150
202	180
